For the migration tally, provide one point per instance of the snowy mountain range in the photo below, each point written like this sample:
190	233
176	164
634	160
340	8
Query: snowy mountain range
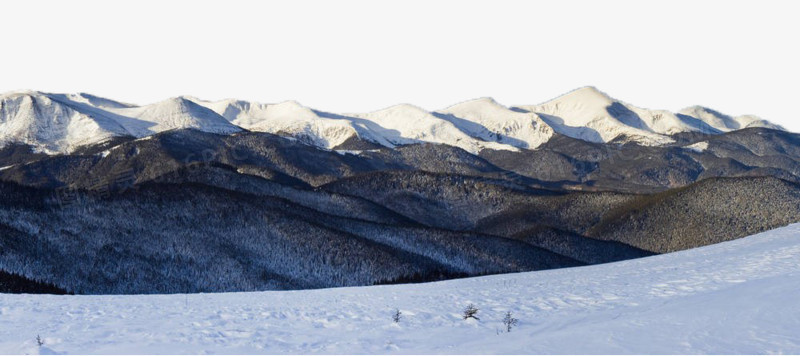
62	123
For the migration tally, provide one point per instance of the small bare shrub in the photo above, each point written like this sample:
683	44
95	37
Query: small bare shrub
470	311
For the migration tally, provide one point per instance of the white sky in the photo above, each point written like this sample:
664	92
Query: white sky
352	56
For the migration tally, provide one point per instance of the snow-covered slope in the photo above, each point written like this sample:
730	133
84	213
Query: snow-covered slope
406	124
170	114
591	115
60	123
718	122
738	297
292	119
698	147
90	99
50	126
486	119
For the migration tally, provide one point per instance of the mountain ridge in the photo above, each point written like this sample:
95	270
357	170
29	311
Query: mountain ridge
64	122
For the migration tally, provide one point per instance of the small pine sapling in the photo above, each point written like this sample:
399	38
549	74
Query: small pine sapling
396	316
509	321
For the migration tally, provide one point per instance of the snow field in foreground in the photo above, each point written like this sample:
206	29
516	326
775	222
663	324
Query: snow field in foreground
736	297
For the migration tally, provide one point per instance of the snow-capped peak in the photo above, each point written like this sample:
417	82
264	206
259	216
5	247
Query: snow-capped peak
260	116
173	113
60	123
578	107
589	114
49	126
406	124
289	118
715	121
589	96
488	120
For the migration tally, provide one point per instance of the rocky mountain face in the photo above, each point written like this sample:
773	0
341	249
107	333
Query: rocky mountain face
185	195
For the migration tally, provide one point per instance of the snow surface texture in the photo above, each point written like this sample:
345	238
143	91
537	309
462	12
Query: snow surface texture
731	298
61	123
